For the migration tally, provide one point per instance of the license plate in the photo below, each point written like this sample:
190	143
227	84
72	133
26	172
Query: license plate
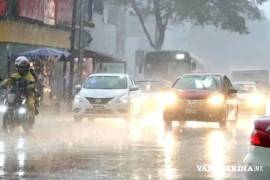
190	111
99	107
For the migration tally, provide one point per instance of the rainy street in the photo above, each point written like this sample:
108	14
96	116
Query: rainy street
135	89
59	148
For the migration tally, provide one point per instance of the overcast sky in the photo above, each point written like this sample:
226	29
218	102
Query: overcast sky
266	8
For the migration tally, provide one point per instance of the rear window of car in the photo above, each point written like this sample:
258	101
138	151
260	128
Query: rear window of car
106	82
205	82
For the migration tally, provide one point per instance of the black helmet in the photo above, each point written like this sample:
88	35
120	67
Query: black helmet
23	66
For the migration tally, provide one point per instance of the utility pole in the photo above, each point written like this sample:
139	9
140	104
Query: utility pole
72	49
81	41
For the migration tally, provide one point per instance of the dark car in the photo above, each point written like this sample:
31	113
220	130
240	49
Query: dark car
201	96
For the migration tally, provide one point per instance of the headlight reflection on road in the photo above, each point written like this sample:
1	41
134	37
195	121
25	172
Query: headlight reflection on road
169	149
2	158
20	143
2	147
21	156
21	161
136	134
2	164
216	153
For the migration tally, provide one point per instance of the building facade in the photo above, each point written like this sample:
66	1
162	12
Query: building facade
27	24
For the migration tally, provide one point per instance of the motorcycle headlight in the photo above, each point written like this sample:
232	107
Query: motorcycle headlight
24	101
22	110
216	100
3	108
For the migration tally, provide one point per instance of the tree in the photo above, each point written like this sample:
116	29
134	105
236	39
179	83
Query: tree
228	15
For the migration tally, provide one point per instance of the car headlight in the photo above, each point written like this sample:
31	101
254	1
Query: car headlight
216	100
169	98
3	108
78	99
22	110
256	99
123	99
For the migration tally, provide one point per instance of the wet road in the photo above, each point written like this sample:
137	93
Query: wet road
59	148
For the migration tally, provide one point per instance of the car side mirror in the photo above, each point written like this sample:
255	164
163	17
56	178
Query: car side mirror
232	91
78	87
135	88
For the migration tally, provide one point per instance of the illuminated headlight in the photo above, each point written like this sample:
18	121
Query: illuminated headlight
47	90
24	101
255	99
168	98
22	110
78	99
3	108
216	100
123	99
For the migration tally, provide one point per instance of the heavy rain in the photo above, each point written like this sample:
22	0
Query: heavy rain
135	89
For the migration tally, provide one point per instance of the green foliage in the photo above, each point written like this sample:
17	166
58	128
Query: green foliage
225	14
228	15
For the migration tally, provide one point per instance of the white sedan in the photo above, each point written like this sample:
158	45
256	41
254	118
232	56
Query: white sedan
107	95
258	158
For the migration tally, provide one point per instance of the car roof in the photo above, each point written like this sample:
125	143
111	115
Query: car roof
202	74
109	74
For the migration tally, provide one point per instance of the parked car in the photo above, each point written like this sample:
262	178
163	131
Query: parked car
249	98
258	157
107	95
201	96
152	91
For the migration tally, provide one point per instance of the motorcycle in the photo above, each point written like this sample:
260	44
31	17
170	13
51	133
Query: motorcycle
14	108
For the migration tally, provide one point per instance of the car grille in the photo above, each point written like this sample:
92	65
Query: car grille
98	100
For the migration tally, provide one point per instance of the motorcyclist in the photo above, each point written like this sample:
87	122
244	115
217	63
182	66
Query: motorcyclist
23	72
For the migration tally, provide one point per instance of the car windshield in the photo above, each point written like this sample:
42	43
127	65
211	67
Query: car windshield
245	88
207	82
106	82
150	86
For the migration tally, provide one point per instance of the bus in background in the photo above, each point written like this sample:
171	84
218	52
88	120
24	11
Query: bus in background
166	65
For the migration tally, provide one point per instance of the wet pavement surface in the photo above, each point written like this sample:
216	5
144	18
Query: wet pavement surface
59	148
